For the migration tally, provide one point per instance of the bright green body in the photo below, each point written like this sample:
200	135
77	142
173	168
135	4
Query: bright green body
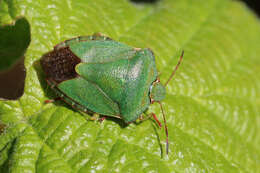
113	79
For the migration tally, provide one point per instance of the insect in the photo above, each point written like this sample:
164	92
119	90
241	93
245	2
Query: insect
95	73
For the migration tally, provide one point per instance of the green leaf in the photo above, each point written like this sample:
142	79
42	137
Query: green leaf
4	15
212	105
14	41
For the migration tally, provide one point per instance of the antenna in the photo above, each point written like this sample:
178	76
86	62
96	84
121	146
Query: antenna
166	129
176	67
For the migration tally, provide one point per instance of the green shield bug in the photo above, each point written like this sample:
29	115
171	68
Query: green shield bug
97	74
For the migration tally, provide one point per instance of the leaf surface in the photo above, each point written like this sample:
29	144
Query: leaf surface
212	105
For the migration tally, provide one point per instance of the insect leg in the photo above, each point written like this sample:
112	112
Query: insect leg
96	117
151	115
156	119
52	100
102	119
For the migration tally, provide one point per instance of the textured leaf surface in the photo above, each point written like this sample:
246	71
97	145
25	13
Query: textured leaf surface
212	105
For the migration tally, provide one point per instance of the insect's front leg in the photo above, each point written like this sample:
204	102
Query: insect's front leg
151	115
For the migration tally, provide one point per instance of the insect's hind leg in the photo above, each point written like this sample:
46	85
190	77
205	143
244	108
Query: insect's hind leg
52	100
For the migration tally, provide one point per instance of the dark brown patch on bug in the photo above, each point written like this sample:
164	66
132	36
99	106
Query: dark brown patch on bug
59	64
